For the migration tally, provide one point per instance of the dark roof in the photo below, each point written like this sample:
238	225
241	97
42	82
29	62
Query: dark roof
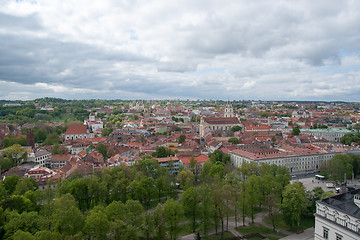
344	203
222	120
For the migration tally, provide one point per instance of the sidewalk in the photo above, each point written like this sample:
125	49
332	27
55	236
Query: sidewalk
306	235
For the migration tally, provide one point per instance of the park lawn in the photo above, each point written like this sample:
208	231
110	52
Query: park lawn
218	236
305	223
264	231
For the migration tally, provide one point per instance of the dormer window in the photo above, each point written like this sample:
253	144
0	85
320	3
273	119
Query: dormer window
357	200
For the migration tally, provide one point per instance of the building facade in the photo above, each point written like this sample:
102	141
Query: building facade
295	159
330	134
338	217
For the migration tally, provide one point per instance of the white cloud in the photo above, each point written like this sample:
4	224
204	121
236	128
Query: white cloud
186	49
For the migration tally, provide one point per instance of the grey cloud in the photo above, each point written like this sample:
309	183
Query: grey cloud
30	22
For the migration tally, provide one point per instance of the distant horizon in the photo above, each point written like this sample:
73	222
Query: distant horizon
184	100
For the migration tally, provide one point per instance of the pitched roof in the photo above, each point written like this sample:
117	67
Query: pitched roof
76	129
222	120
60	157
199	159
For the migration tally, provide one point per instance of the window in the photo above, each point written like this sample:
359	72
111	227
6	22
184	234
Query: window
326	233
338	236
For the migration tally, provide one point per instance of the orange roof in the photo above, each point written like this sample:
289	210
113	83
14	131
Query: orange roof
201	158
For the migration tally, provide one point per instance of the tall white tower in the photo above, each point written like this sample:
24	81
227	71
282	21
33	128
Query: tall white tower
228	111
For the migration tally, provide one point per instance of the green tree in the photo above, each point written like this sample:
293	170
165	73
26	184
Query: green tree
186	179
294	203
66	217
219	156
46	235
97	225
236	128
182	138
14	155
116	210
253	194
296	130
20	235
101	148
190	200
10	183
134	213
206	212
106	132
24	185
234	140
327	194
173	213
159	223
337	167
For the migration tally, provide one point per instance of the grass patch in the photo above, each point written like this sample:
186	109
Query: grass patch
264	231
305	223
218	236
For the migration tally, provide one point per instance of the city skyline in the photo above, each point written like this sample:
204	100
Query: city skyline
276	51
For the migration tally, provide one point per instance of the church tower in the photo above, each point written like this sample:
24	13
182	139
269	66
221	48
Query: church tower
228	111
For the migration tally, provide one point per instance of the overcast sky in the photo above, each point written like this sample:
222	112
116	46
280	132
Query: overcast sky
165	49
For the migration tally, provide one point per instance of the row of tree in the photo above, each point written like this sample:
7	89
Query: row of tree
142	201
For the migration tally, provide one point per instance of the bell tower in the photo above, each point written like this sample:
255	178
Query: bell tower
228	111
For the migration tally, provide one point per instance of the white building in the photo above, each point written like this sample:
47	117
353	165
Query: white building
294	158
77	132
93	123
338	217
330	134
42	157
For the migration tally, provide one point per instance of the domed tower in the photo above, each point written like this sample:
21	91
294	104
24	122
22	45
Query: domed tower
228	111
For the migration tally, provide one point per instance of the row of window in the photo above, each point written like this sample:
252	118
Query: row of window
341	221
326	234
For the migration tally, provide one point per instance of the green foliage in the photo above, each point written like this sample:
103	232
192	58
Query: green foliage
97	225
296	130
338	166
327	194
219	156
10	183
294	203
186	179
173	213
161	151
101	148
234	140
349	138
236	128
15	154
106	132
182	138
7	142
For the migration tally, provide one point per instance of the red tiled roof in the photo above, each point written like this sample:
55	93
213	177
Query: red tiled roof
201	158
76	129
167	159
222	120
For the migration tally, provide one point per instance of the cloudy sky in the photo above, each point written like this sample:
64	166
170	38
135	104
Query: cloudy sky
167	49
